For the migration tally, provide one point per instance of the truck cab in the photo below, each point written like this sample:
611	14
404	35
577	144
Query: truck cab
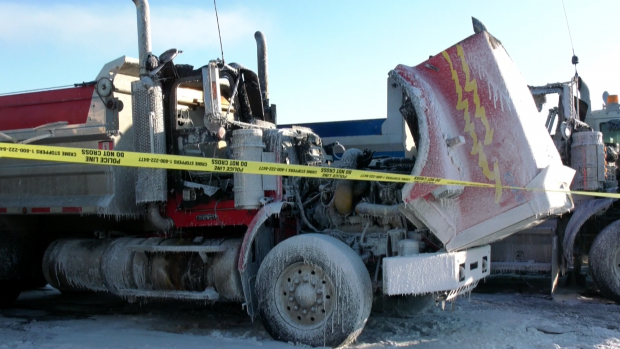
607	120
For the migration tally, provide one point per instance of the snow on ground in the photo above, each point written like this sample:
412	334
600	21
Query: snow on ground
507	312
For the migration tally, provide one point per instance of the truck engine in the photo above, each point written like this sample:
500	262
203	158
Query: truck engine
365	214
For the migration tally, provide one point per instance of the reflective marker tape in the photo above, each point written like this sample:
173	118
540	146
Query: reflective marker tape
191	163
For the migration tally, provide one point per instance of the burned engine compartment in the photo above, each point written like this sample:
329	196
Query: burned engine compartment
365	215
239	124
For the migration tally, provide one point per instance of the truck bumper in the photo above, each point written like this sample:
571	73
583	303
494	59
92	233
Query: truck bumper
450	272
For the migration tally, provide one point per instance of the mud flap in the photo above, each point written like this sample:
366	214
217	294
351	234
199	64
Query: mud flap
555	264
248	282
257	242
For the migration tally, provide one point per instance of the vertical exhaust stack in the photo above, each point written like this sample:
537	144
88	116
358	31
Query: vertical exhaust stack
148	124
263	75
144	33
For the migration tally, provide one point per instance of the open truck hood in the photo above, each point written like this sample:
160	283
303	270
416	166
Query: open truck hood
476	121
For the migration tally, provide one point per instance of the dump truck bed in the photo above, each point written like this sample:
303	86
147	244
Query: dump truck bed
70	117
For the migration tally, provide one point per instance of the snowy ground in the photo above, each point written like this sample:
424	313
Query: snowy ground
507	312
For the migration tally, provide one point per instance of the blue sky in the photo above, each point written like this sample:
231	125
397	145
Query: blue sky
328	60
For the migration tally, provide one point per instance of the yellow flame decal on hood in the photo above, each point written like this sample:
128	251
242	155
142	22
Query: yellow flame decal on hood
463	104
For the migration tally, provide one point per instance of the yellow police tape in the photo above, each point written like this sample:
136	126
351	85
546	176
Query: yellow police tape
178	162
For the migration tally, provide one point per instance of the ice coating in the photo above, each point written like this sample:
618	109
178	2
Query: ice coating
435	272
425	275
474	90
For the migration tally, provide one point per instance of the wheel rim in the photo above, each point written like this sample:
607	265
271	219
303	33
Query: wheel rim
304	295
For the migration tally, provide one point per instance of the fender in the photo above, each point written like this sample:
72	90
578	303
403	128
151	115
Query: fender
581	214
249	270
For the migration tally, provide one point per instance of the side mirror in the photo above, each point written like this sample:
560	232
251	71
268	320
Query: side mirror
164	58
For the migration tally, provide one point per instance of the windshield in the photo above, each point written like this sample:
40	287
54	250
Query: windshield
611	131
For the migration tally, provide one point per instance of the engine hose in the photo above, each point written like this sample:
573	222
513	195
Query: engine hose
244	102
349	158
156	219
364	234
246	108
302	213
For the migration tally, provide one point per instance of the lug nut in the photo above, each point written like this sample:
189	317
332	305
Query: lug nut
313	282
319	301
318	291
296	307
291	288
313	309
296	280
304	312
305	278
290	299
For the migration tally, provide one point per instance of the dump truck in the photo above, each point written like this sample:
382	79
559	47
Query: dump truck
306	255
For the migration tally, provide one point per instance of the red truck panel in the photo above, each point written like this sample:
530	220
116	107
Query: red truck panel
29	110
475	91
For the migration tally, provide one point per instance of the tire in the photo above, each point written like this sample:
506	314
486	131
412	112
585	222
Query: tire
329	282
605	261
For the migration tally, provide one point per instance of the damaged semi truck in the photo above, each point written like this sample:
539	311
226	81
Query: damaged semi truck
306	255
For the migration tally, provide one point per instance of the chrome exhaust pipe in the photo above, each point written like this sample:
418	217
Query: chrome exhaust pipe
144	33
148	116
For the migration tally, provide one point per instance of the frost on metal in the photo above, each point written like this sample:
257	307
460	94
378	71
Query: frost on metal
149	138
435	272
346	309
475	91
107	191
582	213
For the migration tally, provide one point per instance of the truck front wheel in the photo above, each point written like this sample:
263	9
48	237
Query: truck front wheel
315	290
605	261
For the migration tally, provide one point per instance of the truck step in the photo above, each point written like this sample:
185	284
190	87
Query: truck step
181	249
207	295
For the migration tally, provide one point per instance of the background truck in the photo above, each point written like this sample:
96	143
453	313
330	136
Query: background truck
588	142
306	255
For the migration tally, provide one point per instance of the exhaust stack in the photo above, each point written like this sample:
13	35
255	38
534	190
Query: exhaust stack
144	33
263	75
148	122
